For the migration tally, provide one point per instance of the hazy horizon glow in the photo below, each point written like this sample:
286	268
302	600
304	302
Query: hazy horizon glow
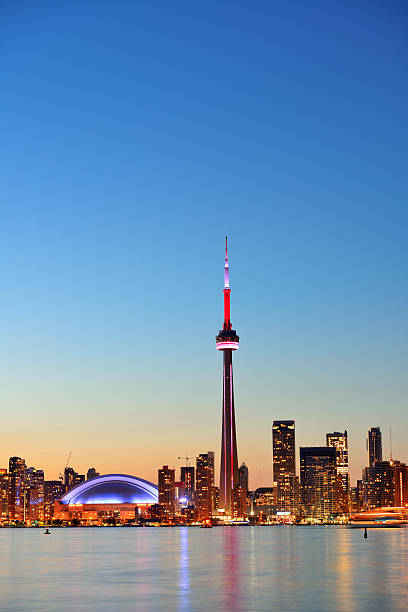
134	138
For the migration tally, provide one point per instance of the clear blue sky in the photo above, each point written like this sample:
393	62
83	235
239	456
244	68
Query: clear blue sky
134	136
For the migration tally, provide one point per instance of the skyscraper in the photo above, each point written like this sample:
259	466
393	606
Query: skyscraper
318	478
17	501
339	441
167	492
374	445
227	341
283	445
204	485
35	488
187	476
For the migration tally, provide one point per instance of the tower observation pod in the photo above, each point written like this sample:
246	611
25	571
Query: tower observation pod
227	341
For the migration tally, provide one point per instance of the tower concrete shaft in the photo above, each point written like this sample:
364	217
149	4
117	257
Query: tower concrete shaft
229	457
227	341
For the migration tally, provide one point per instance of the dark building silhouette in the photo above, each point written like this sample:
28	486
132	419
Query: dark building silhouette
318	479
374	445
92	473
283	448
72	478
243	475
357	497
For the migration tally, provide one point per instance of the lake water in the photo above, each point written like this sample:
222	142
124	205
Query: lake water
225	568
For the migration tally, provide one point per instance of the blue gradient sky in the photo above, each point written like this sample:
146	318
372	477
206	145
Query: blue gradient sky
134	136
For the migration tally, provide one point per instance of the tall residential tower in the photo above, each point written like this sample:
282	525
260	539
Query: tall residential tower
227	341
283	449
374	446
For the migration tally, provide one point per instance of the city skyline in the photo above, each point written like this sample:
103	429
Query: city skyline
320	492
124	174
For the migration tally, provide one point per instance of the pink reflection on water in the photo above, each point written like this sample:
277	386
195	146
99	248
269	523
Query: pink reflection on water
231	584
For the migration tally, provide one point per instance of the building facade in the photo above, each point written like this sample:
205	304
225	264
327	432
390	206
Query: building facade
288	494
400	483
339	441
53	490
35	489
379	485
187	475
17	490
318	479
204	489
167	491
283	449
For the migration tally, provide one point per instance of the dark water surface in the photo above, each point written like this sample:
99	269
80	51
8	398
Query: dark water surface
225	568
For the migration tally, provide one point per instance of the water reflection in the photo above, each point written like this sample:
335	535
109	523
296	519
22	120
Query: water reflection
232	578
227	568
184	582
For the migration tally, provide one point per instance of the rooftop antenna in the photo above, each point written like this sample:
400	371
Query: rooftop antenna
390	445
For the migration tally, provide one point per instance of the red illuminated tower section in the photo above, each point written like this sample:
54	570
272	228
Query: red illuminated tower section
227	341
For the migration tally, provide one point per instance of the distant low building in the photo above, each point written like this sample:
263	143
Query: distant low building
91	473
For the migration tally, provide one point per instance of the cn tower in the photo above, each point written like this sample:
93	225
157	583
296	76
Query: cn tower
227	341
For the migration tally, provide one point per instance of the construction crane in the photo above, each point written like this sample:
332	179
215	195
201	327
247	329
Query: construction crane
187	460
61	476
